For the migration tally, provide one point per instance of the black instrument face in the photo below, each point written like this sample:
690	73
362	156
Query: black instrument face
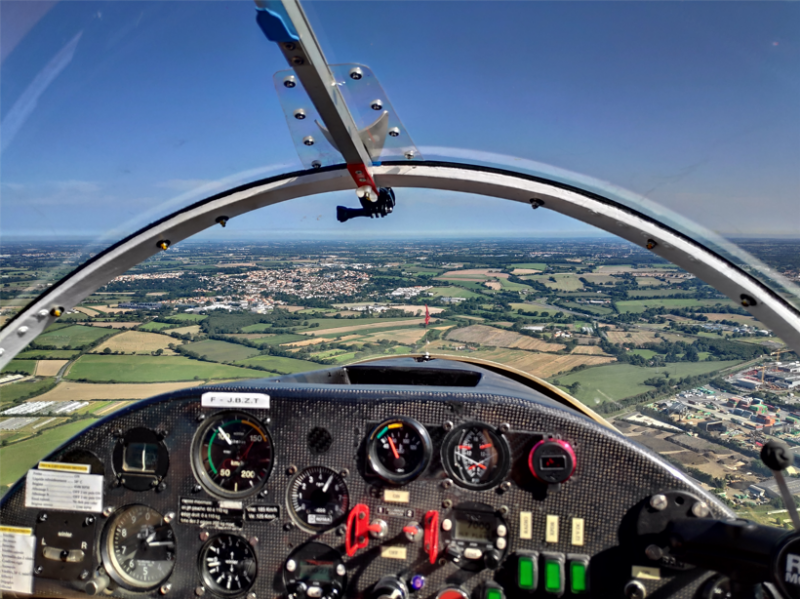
140	459
232	454
399	450
228	564
318	498
315	570
475	456
139	548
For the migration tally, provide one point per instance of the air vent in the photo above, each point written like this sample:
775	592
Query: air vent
319	440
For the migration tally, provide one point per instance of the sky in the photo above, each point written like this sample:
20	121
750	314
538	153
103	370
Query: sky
115	114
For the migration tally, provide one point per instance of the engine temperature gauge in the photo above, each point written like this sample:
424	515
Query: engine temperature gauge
399	450
475	456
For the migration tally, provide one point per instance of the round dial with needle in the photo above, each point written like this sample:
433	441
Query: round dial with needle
476	456
318	498
139	548
228	564
232	454
399	449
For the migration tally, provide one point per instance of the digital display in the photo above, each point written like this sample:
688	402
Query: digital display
140	457
314	570
553	462
473	531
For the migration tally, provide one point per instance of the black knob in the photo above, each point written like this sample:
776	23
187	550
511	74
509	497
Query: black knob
454	553
492	559
390	587
776	455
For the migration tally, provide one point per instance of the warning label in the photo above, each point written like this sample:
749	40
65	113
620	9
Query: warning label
211	514
262	513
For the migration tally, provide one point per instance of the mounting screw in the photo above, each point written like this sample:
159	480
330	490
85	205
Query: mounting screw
288	526
263	493
42	313
290	82
162	486
650	244
356	73
344	473
316	164
535	203
291	470
341	531
447	504
42	517
503	510
505	486
635	590
108	511
253	541
394	132
39	569
165	588
88	521
22	330
658	502
251	595
298	61
504	428
201	417
654	552
748	300
200	590
308	141
169	517
410	155
700	509
448	425
84	575
289	46
196	488
376	105
204	536
299	114
447	483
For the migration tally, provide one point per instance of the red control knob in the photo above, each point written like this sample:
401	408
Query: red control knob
431	540
552	461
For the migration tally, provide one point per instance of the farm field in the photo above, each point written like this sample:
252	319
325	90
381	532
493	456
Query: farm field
155	326
279	339
644	293
87	311
72	391
641	305
495	337
13	391
114	325
19	367
378	323
639	337
74	336
618	381
222	351
452	292
49	367
110	309
588	350
563	282
151	369
137	342
188	317
541	365
17	459
533	265
280	365
406	336
192	329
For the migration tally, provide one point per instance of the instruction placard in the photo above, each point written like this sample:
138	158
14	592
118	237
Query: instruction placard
16	559
213	514
66	491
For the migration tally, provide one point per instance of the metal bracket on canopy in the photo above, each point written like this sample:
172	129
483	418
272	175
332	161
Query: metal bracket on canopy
285	22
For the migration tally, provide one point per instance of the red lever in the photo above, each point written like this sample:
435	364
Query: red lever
361	177
357	529
431	540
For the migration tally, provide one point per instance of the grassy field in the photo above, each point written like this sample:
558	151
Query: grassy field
137	342
534	265
542	365
641	305
592	309
72	391
498	338
189	317
47	354
278	339
192	329
452	292
155	326
222	351
563	282
655	292
19	367
72	336
151	369
17	459
618	381
280	364
13	391
645	353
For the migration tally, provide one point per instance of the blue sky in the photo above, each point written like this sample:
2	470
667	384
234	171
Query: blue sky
116	113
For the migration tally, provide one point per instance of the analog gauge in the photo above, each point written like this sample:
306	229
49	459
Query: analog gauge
399	450
139	547
475	456
228	564
232	454
318	498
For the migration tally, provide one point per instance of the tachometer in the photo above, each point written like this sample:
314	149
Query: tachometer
399	450
476	456
232	454
318	498
228	564
139	548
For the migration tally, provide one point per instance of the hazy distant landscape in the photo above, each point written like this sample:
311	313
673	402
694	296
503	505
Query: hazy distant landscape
634	338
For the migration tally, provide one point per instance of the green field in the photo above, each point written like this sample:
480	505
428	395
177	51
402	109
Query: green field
592	309
278	339
74	336
190	317
563	282
13	391
336	323
100	368
655	292
222	351
48	354
645	353
531	265
256	328
17	459
452	292
154	326
280	364
19	367
618	381
641	305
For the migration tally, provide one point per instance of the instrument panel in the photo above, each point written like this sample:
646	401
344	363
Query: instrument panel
474	488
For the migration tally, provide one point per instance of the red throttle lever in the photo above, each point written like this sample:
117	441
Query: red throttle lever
358	529
431	539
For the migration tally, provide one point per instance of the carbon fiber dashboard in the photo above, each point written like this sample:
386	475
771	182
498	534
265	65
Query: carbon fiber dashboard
324	419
